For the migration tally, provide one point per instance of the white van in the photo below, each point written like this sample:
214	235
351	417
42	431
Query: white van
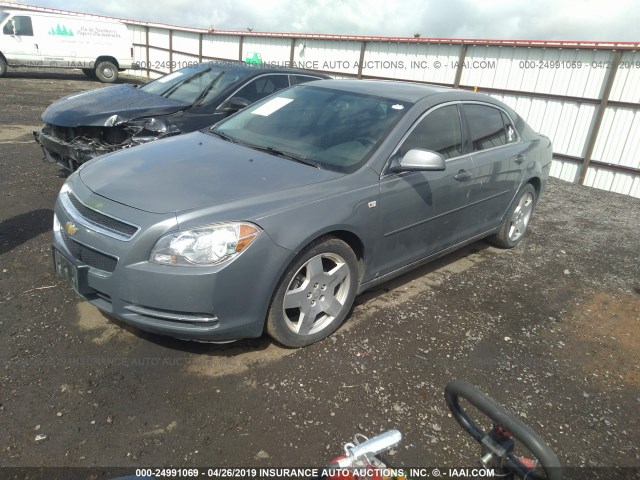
100	48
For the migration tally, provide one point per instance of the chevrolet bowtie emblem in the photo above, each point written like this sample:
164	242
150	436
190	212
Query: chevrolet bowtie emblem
70	228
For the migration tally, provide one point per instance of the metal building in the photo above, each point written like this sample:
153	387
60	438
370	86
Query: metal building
584	95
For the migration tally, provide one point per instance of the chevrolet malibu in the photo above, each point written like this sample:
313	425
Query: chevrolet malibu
277	217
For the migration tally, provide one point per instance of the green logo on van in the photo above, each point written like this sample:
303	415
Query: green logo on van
58	30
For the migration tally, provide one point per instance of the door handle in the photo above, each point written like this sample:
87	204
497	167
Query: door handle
462	176
519	159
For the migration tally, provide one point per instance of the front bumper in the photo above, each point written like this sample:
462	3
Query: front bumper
219	303
69	155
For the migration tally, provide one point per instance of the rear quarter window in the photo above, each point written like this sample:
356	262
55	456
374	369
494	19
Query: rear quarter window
298	79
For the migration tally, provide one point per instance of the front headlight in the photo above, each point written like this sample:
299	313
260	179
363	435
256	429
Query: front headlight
204	246
151	128
64	189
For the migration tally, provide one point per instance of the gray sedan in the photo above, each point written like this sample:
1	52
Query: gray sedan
277	217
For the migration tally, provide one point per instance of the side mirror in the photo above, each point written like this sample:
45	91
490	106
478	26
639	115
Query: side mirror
233	105
418	159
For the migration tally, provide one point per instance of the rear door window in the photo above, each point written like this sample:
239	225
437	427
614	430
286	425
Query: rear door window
486	127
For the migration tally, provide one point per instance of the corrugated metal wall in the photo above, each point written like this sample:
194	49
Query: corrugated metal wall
418	62
584	96
267	47
557	89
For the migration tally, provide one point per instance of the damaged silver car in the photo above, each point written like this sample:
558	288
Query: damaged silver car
85	125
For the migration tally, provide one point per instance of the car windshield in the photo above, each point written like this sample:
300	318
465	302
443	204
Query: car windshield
328	128
193	85
3	15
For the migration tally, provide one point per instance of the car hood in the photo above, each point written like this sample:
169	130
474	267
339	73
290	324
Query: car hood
96	107
193	170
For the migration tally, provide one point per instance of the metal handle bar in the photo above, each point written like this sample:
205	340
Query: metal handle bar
499	415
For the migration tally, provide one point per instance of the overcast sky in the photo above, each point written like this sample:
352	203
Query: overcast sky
608	20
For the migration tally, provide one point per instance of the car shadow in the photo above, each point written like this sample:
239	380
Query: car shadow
228	349
431	267
265	342
19	229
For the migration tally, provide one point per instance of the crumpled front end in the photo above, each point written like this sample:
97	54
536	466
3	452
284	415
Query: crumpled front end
72	146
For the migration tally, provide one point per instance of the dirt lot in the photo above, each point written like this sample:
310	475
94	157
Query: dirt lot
549	329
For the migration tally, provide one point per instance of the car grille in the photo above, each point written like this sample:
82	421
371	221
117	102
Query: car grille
102	220
113	136
89	256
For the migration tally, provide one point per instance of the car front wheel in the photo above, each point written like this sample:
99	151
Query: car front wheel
517	219
315	295
3	67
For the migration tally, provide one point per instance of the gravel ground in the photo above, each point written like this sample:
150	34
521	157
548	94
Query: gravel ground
549	329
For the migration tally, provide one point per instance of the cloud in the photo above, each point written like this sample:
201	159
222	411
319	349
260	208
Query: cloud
614	20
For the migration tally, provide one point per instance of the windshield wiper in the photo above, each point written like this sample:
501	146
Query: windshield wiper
206	91
171	90
224	136
283	154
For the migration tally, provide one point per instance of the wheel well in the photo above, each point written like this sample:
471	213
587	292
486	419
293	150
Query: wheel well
349	238
535	182
3	58
107	59
354	243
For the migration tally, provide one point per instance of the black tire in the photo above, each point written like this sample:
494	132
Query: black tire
89	72
3	67
517	219
106	72
322	281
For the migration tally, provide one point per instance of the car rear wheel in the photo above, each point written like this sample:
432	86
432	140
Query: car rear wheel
106	72
315	295
517	219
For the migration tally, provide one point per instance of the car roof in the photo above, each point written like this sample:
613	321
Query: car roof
399	90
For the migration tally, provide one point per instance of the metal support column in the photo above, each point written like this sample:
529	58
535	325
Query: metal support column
170	51
461	59
292	52
597	122
363	49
